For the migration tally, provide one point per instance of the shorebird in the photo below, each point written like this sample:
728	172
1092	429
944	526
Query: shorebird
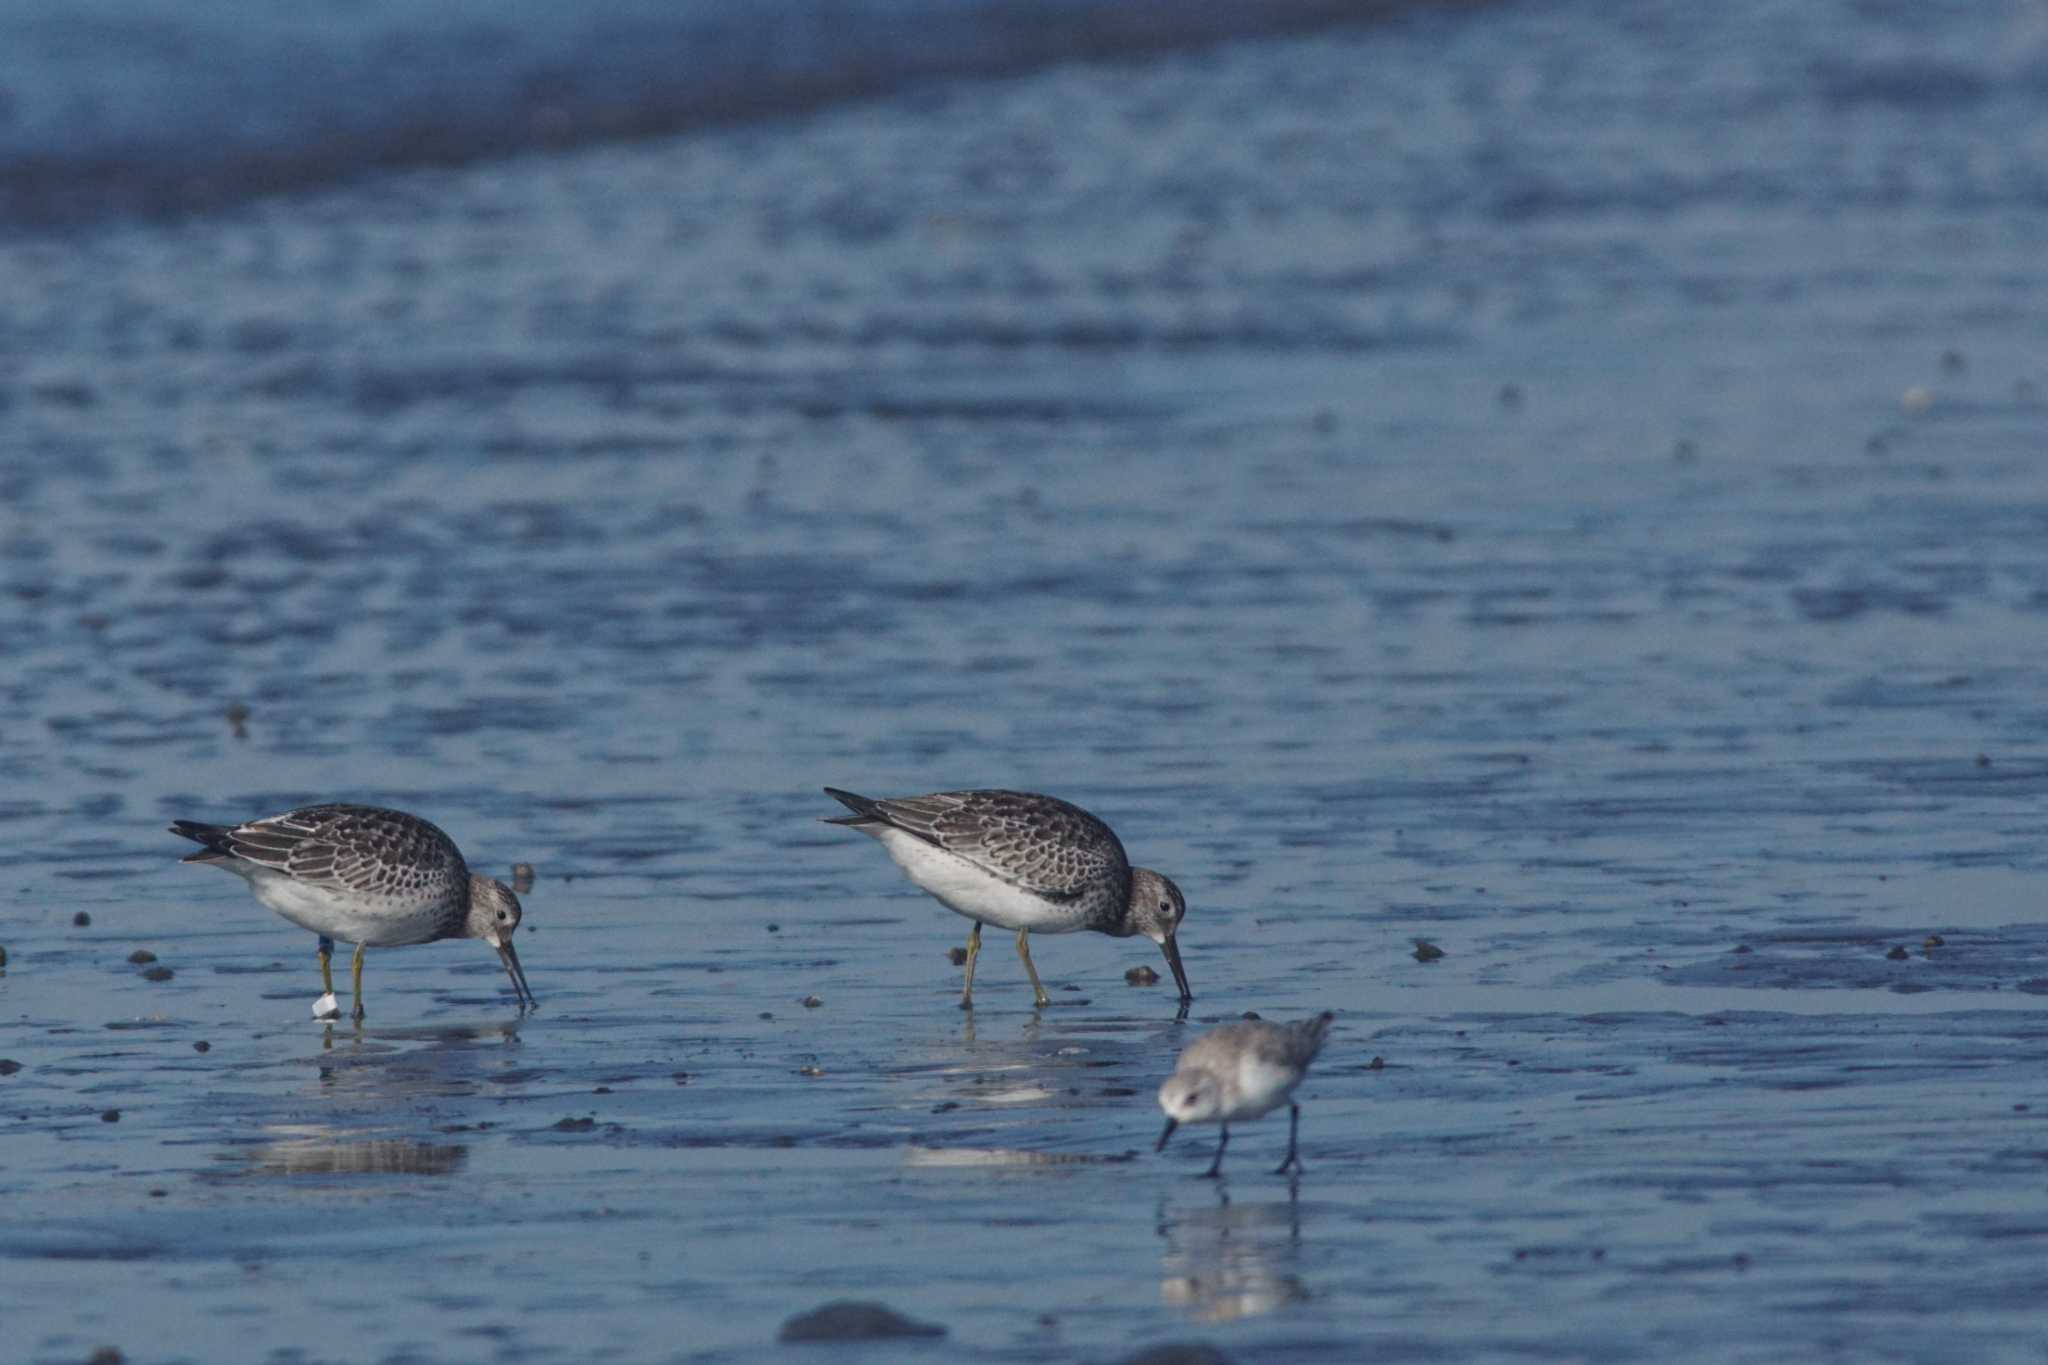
371	877
1022	861
1242	1071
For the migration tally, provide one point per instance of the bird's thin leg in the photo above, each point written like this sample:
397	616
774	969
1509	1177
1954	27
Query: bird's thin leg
1215	1170
355	973
1024	951
1293	1129
973	951
326	968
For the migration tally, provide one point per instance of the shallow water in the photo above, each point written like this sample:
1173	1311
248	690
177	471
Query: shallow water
1451	480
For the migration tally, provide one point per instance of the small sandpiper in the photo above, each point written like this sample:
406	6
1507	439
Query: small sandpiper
371	877
1022	861
1243	1071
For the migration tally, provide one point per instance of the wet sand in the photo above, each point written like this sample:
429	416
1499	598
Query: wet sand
1563	489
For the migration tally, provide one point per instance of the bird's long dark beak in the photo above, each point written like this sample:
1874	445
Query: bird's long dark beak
509	955
1171	947
1171	1124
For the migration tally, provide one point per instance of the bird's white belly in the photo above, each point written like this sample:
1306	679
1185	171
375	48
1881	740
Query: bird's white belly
345	916
1261	1088
965	889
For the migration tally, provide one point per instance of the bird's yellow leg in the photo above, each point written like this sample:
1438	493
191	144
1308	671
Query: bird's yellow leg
355	975
326	968
1024	951
973	951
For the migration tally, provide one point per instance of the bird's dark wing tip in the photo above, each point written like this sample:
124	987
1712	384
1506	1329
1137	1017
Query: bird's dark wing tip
863	809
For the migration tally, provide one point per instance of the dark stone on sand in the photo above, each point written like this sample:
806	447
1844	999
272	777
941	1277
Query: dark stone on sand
3	957
202	1046
810	1002
575	1125
1933	941
1741	948
142	957
1142	975
1179	1353
110	1116
855	1320
158	974
8	1066
1376	1064
957	956
106	1355
80	920
1425	951
1898	954
774	928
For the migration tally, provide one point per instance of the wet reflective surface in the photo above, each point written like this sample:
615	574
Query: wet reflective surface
1574	497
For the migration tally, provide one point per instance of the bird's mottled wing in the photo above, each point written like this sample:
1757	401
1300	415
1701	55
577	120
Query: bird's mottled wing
274	840
362	848
385	853
1040	843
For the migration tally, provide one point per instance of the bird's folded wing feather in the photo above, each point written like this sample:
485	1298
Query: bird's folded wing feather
1050	848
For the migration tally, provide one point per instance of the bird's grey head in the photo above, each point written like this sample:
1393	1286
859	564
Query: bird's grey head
1156	910
494	915
1190	1097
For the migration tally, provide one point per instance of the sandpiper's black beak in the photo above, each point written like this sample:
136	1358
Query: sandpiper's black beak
1171	947
1171	1124
509	955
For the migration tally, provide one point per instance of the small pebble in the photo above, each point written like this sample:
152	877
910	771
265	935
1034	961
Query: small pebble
238	715
1932	941
1983	760
1741	948
810	1002
522	877
81	919
575	1125
110	1116
202	1046
1685	452
602	1090
8	1066
142	957
957	956
854	1320
158	1194
681	1078
1897	954
106	1355
1510	397
1425	951
158	974
3	957
1142	976
1251	1014
1952	362
774	928
811	1071
1378	1063
1917	398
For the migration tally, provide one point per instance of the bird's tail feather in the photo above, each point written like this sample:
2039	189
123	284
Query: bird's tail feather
214	837
865	812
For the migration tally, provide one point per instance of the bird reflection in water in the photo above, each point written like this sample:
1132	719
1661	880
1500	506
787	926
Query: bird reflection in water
1231	1260
313	1150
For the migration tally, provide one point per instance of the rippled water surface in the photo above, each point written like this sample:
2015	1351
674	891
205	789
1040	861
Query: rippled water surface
1564	485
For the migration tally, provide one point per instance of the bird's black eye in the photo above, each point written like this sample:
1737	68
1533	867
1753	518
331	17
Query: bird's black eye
1166	907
